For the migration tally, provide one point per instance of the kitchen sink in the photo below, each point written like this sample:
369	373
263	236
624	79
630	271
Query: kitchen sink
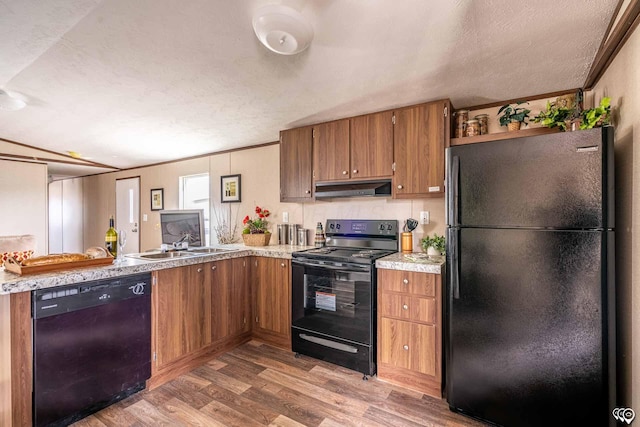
164	255
211	250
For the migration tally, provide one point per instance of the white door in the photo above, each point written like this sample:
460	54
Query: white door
128	212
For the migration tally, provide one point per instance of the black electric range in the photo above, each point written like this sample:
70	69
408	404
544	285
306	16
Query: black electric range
333	296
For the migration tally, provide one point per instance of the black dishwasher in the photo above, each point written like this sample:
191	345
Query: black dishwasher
91	346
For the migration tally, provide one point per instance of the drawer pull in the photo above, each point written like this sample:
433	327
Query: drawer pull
355	171
282	264
405	307
344	172
199	270
405	281
307	192
405	347
400	187
213	267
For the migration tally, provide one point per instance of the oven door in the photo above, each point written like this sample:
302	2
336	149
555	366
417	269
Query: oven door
333	299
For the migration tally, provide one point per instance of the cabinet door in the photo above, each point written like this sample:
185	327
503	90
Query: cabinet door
394	336
183	311
413	282
296	184
419	143
372	145
240	302
272	295
331	151
219	275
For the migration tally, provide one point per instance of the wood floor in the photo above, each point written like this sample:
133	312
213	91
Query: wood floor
257	385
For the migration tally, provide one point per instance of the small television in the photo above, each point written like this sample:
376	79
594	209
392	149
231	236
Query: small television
176	224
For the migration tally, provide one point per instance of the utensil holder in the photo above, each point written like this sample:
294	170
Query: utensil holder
406	241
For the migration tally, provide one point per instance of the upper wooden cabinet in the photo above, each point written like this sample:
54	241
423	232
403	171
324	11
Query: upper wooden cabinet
354	149
296	183
372	145
331	151
420	136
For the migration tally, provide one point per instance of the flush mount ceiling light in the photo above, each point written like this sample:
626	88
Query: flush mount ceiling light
10	103
282	29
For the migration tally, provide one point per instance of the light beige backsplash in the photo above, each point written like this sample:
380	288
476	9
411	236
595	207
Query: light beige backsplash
260	185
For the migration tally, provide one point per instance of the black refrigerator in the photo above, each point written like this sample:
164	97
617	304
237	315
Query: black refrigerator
530	295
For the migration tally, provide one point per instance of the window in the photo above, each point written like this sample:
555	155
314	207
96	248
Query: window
194	194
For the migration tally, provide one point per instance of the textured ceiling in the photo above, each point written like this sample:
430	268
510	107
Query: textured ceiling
129	83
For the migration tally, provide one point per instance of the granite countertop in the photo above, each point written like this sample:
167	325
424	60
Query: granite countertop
415	261
10	282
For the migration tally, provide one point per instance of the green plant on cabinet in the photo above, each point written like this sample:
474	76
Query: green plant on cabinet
437	242
511	113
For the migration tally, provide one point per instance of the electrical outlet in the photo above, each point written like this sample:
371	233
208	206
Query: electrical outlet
424	217
285	216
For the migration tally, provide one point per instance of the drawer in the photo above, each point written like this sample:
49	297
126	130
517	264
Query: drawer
407	307
408	345
423	284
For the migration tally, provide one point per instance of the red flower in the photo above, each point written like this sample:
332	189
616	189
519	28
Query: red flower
258	210
260	215
246	219
266	212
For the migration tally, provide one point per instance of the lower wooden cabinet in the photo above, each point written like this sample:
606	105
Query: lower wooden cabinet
197	311
183	313
271	288
410	330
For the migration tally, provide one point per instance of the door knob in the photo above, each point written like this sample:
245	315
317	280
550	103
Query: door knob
400	187
406	347
405	307
308	192
405	281
344	172
355	171
213	267
199	270
282	265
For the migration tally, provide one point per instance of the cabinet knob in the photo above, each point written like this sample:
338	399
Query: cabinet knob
307	192
344	172
400	187
213	267
282	264
405	347
199	270
405	281
405	307
355	171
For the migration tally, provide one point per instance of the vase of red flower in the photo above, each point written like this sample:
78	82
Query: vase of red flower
256	232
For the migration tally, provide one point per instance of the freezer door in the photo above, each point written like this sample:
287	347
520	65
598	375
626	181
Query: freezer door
526	337
562	180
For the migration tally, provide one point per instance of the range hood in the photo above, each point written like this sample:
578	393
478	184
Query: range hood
353	189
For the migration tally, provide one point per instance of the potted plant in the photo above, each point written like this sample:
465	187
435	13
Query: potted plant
556	115
513	116
433	245
255	231
598	116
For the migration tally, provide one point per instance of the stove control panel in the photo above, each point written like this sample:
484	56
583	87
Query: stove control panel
365	227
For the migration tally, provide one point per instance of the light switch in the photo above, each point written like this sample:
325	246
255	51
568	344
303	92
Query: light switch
285	216
424	217
144	217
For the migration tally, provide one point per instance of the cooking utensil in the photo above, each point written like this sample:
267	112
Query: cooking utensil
410	225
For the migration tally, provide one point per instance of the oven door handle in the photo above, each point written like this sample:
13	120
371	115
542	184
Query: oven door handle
347	268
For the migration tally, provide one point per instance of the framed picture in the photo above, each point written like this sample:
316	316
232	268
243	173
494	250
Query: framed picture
157	199
230	188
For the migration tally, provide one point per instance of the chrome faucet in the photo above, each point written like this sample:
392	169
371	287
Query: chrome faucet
183	243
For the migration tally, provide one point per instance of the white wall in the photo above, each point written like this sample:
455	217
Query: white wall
23	201
621	82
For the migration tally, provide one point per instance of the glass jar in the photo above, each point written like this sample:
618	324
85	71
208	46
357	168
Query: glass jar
483	120
473	127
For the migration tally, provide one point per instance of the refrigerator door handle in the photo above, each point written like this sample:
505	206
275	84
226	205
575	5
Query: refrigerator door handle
454	196
454	239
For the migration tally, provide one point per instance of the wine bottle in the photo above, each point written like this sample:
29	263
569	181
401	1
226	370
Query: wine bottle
111	239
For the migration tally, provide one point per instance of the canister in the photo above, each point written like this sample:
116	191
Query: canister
473	127
483	120
283	234
302	236
406	241
293	234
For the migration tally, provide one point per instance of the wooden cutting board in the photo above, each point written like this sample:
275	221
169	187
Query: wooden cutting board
14	266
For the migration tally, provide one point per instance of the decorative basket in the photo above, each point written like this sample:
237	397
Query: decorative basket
256	239
512	126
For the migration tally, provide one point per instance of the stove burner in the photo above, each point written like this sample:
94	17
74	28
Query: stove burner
365	254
